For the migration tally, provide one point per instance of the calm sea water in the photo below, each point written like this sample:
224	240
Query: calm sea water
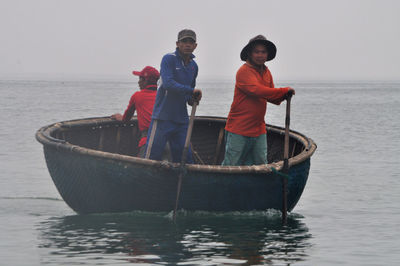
349	213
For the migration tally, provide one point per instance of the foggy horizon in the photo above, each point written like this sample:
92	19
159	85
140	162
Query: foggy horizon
338	40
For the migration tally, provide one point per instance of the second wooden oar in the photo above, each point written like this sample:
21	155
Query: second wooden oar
184	156
151	140
285	169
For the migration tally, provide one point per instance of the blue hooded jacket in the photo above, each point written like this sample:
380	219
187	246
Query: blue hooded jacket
176	88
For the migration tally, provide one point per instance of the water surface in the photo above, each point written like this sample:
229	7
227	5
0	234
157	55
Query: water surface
348	214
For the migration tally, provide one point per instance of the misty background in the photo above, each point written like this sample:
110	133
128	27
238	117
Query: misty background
316	40
70	59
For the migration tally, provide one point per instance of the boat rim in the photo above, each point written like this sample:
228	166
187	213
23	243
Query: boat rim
43	135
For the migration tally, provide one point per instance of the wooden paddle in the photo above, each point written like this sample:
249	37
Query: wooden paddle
184	156
285	168
151	140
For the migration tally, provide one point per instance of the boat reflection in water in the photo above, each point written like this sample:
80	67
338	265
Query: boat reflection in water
197	238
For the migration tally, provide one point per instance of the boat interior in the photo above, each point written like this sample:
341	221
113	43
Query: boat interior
208	146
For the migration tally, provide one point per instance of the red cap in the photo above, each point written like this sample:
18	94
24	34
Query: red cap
147	72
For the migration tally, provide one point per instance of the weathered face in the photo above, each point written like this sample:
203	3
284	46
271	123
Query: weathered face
142	83
186	46
259	54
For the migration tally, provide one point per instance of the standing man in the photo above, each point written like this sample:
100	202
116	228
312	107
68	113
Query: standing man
143	102
177	89
246	142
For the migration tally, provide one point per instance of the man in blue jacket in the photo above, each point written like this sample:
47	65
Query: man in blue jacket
177	89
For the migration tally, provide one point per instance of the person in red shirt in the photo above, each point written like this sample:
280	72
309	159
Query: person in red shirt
142	101
246	141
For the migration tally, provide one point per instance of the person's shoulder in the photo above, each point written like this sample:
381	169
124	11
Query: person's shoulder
245	66
243	69
169	56
136	94
268	72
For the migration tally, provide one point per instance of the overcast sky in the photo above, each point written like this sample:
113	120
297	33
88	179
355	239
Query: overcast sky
341	39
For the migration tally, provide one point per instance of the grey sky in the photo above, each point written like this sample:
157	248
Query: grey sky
341	39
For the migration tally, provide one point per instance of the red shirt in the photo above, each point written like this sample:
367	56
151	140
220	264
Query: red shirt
143	102
252	91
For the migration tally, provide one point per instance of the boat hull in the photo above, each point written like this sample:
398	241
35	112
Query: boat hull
93	185
92	164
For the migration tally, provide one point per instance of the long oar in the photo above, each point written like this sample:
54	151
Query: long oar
151	140
285	169
184	156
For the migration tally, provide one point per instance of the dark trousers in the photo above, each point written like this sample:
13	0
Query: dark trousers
175	134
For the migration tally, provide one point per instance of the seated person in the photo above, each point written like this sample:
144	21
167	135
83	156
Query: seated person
143	102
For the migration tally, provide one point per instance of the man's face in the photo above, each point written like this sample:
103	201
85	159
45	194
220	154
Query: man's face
186	46
142	83
259	54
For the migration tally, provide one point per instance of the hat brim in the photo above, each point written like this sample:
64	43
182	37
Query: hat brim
271	49
137	73
187	37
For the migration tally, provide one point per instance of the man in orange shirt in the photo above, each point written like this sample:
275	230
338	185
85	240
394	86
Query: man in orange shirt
246	140
142	101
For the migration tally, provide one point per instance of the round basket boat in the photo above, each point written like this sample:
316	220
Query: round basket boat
94	166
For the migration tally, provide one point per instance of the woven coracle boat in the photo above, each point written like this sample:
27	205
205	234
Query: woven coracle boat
93	165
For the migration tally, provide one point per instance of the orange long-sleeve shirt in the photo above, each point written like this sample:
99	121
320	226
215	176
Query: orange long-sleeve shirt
252	91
